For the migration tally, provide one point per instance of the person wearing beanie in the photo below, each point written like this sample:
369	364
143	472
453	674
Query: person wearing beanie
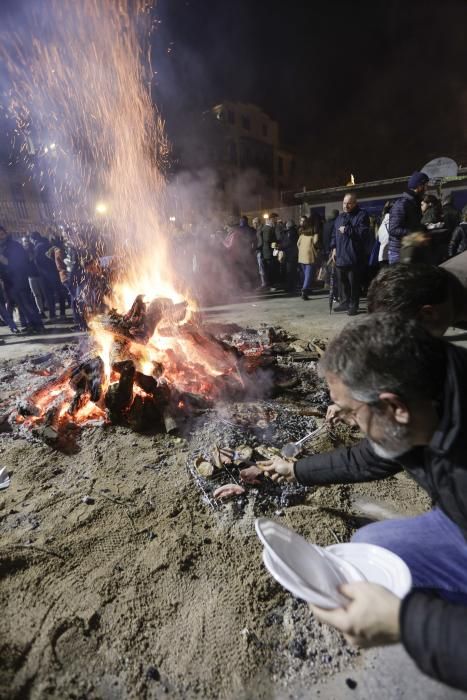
406	214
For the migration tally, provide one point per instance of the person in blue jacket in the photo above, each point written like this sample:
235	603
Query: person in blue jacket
348	249
405	216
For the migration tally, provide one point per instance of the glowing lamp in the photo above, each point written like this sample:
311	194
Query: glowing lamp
265	216
171	218
101	208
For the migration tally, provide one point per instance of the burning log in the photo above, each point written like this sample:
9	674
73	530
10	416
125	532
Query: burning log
50	428
89	376
148	384
120	394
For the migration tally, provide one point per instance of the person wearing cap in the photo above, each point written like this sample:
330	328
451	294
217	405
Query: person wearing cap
405	390
406	214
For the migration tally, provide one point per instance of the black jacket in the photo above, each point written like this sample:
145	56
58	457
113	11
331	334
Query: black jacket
289	242
351	245
433	631
268	237
458	242
451	217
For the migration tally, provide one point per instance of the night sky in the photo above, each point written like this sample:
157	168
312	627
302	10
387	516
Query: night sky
372	87
375	87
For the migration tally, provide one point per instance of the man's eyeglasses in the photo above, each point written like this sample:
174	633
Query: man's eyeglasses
349	415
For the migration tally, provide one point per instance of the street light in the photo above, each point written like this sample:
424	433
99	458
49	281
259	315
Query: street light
101	208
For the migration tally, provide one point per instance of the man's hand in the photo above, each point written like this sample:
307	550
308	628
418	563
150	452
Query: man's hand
332	414
371	617
277	469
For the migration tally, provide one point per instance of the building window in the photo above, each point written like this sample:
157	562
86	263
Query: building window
280	166
231	116
265	129
246	123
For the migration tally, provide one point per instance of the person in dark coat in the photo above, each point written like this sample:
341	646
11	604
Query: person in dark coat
14	271
406	214
288	246
432	212
405	390
348	245
451	215
258	226
458	242
268	237
50	278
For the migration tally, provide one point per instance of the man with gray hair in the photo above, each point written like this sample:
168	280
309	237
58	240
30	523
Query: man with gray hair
405	390
349	241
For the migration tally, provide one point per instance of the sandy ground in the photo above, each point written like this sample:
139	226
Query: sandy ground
143	592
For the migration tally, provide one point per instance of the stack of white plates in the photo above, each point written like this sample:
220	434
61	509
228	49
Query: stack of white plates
314	573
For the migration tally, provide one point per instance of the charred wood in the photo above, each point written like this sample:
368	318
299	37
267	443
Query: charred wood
119	395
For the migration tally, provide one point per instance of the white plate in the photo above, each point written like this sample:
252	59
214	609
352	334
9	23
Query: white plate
4	478
376	564
298	564
300	589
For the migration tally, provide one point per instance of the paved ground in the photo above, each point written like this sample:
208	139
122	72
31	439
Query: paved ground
387	673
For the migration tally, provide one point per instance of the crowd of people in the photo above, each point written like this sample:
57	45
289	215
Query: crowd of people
416	227
40	272
43	274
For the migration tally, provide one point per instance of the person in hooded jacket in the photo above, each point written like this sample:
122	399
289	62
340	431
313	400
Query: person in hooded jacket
405	390
406	214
